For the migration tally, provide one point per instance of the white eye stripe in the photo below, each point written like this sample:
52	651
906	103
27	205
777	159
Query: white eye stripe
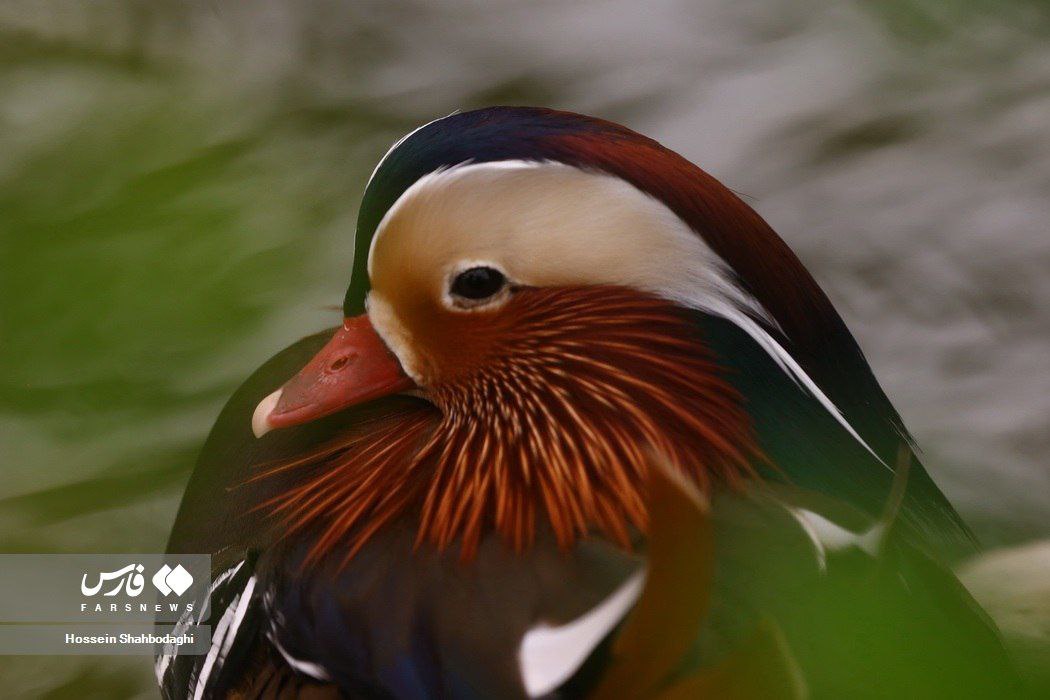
436	179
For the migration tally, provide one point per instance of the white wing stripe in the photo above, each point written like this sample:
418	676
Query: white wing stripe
548	656
238	617
216	642
170	650
309	668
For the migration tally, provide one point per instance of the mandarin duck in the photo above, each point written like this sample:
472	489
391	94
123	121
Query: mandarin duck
446	496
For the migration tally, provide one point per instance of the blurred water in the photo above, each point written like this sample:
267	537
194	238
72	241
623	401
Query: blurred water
179	182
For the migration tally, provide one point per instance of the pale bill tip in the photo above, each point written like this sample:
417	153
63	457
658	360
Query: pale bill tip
260	419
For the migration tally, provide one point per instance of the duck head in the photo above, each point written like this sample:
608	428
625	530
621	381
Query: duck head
537	277
480	270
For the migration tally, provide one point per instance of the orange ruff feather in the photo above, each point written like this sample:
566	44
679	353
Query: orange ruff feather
562	393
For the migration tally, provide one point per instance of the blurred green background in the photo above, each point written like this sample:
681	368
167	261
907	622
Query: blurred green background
179	183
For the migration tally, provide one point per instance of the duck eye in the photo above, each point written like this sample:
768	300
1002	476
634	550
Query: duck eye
478	283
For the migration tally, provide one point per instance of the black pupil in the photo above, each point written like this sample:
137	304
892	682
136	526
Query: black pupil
478	283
